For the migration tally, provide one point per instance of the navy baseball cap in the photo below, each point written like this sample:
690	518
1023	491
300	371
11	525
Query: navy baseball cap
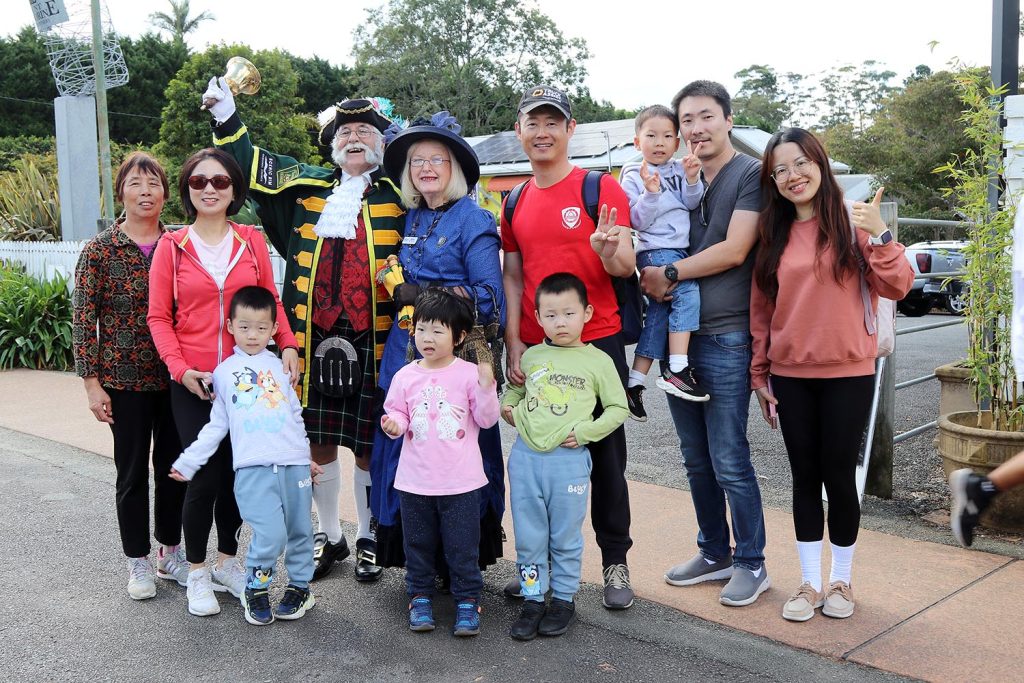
545	95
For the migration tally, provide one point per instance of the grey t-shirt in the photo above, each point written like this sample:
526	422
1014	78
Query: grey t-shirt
725	297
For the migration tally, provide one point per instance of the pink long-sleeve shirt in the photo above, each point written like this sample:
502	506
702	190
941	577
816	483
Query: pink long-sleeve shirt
815	327
441	413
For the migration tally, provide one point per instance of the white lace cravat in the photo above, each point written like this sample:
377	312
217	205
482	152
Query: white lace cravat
341	213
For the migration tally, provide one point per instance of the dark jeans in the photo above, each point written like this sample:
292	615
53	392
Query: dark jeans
822	423
451	522
211	493
716	453
142	418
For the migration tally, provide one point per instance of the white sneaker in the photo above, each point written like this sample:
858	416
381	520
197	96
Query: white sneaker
141	584
230	577
173	565
201	600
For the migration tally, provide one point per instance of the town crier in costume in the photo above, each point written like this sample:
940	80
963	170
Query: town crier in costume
335	229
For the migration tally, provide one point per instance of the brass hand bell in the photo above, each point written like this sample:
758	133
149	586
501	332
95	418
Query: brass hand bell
242	77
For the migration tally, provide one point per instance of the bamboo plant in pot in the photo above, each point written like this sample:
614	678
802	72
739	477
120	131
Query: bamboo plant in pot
984	438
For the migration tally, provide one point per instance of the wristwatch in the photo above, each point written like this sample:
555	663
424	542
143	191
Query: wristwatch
884	238
671	273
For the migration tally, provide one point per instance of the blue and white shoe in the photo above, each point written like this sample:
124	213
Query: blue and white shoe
421	614
467	618
256	603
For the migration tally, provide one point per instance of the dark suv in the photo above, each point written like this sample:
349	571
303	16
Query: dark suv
941	258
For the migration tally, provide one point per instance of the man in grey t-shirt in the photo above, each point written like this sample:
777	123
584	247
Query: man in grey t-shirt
713	435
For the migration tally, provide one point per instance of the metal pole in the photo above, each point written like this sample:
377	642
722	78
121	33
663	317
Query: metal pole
102	123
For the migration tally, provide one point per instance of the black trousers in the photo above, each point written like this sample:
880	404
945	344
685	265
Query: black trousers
142	419
822	423
210	496
609	502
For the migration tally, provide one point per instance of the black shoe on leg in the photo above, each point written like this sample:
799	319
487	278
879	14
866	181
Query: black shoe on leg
366	569
525	627
325	554
559	616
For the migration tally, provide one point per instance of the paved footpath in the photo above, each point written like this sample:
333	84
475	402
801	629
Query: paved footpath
924	610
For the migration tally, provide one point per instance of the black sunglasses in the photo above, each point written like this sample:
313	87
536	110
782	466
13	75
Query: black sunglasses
199	182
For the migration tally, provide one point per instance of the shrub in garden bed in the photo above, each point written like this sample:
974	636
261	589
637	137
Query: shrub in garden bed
35	321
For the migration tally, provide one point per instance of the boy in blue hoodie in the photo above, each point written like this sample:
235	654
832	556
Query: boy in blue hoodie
253	400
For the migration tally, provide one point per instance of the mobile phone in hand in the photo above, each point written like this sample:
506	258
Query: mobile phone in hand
773	412
206	389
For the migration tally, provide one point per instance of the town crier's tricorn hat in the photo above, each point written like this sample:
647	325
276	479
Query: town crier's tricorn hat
376	111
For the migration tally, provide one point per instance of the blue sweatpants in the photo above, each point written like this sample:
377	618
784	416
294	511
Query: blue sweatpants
276	501
549	503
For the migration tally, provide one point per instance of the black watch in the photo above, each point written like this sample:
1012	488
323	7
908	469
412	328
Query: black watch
671	273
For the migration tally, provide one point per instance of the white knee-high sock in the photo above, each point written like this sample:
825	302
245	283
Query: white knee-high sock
325	496
361	496
842	563
810	562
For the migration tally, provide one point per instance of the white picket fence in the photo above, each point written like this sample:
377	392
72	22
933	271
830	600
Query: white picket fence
45	260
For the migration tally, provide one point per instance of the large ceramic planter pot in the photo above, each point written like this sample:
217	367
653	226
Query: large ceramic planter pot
956	393
962	443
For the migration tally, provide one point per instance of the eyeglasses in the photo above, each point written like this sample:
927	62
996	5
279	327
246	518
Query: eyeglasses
199	182
361	133
802	167
434	161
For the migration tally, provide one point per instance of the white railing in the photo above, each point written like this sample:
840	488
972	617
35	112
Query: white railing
48	259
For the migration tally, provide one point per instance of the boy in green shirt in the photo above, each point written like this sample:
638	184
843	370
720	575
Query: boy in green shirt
549	466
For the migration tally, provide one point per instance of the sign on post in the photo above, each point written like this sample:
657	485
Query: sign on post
48	13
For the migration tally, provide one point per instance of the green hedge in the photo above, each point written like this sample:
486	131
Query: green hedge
35	321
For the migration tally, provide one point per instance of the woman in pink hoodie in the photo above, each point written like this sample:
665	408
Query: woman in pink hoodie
810	338
195	273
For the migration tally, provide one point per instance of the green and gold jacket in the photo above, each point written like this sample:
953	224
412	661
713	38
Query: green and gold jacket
291	196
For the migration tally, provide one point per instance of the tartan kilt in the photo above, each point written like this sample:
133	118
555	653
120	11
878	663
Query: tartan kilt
352	421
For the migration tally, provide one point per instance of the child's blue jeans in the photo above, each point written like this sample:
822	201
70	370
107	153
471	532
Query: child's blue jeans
276	501
430	523
681	314
549	503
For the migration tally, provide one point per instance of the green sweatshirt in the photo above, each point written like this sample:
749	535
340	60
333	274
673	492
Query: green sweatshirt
563	384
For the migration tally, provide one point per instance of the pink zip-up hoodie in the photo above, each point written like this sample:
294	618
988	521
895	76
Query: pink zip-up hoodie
188	311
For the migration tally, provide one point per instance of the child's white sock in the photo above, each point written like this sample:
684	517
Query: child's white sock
636	378
842	563
677	361
361	496
810	562
325	496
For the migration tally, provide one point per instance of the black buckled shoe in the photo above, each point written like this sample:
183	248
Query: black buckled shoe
366	561
525	627
325	554
558	618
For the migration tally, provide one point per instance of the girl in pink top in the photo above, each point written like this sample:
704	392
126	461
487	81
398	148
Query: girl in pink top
807	320
438	405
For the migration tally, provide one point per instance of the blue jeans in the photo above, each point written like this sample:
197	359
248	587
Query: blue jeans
442	525
680	314
716	454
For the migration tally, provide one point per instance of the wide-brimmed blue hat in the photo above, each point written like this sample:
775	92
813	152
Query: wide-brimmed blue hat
441	127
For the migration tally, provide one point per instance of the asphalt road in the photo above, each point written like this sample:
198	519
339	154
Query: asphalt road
65	615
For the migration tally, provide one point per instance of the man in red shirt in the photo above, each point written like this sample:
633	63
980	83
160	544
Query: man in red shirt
551	232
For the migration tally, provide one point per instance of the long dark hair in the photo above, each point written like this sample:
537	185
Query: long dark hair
778	214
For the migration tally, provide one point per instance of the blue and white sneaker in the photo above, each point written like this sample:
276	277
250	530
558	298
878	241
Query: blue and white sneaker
467	618
295	603
421	614
256	603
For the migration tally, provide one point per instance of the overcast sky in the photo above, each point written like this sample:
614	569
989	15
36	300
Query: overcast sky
643	52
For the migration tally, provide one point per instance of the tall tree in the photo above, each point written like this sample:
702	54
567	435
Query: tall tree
471	58
177	22
853	94
322	84
760	100
27	86
135	107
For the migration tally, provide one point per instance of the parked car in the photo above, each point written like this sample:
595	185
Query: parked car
941	258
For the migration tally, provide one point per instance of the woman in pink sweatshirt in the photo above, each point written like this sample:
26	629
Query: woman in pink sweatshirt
813	357
195	273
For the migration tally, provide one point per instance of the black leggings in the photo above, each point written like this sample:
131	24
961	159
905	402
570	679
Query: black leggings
822	424
210	494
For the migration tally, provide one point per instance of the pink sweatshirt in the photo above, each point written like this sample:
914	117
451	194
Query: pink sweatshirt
441	413
815	327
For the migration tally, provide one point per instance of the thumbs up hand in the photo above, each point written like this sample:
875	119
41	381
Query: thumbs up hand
868	217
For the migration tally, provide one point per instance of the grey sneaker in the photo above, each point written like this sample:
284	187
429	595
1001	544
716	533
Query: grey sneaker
229	577
172	565
141	584
618	592
697	570
743	588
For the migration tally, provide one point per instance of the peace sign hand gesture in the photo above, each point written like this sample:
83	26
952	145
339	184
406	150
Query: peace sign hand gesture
605	238
652	181
692	163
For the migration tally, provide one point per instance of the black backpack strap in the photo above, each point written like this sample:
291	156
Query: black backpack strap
592	194
511	201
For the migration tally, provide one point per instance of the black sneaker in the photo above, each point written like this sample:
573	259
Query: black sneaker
525	627
969	501
558	618
256	603
325	554
366	568
295	603
635	399
682	384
